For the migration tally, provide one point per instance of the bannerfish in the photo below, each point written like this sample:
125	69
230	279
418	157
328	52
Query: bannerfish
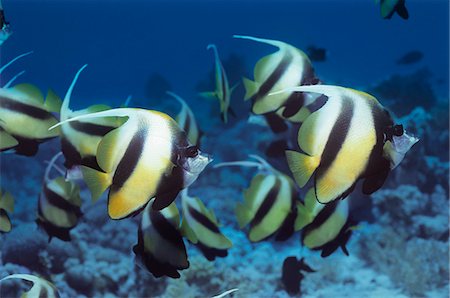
292	275
316	54
223	91
410	57
186	121
23	107
148	156
160	248
6	206
58	205
80	139
325	227
5	30
40	288
352	137
200	226
389	7
285	68
269	202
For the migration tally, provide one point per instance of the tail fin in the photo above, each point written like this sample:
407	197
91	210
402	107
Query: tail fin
251	87
302	166
96	181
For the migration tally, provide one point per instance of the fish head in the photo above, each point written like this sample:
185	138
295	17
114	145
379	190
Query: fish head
193	162
397	144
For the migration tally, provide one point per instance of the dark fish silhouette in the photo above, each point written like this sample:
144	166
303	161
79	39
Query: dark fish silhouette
292	275
389	7
410	57
316	54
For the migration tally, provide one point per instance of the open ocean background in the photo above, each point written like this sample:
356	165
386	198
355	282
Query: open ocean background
143	48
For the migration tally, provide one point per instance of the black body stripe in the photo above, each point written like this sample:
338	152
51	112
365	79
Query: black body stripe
337	137
293	104
267	204
58	201
91	128
43	293
274	76
130	159
211	253
187	124
23	108
165	229
323	215
203	220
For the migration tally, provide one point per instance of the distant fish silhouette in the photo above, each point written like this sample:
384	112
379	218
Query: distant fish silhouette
292	275
389	7
316	54
410	57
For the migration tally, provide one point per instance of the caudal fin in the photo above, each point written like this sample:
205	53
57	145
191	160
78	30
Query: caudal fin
302	166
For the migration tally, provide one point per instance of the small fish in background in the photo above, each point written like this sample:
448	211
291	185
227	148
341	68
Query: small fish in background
147	156
285	68
351	138
223	91
269	202
80	139
316	54
5	30
292	275
410	58
160	248
21	107
59	204
186	121
326	227
41	287
389	7
6	206
200	226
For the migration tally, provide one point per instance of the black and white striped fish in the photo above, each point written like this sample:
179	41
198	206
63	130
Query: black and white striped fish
269	202
351	137
186	121
148	156
41	288
80	139
6	207
58	205
285	68
223	91
326	227
22	107
200	226
160	248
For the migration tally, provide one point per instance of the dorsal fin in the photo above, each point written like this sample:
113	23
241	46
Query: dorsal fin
65	110
14	60
275	43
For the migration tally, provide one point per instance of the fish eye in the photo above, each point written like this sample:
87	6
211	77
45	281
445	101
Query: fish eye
192	151
398	130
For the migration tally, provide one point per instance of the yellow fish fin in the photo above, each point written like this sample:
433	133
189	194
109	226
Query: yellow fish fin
7	141
5	222
96	181
251	87
302	166
7	202
243	214
52	102
32	93
187	232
